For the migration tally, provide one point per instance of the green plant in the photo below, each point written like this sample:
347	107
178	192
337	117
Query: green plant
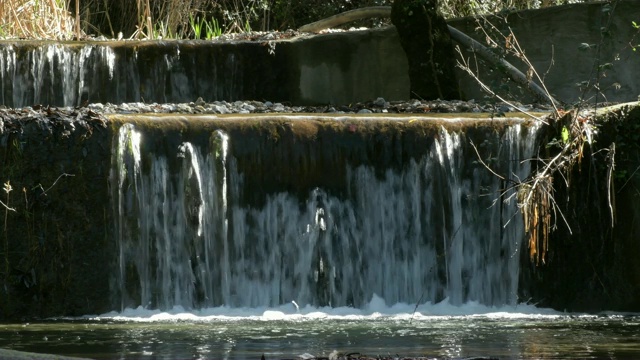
210	29
213	29
197	25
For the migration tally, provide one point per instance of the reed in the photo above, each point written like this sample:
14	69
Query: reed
149	19
36	19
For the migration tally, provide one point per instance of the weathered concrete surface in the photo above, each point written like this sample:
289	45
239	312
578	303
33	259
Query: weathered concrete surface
333	68
56	234
552	38
344	68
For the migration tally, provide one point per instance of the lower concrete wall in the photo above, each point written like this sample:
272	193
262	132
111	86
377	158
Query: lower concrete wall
58	243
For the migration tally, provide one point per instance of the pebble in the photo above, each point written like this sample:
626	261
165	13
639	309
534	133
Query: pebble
380	102
92	114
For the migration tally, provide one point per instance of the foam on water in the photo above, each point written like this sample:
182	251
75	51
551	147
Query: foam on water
374	310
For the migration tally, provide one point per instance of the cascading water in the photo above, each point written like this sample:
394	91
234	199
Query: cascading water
434	229
52	74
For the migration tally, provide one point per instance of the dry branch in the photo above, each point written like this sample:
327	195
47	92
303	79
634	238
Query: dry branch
515	74
346	17
457	35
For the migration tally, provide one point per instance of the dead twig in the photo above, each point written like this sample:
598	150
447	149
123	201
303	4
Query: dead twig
44	192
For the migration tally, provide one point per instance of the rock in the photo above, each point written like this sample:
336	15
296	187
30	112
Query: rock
248	107
92	115
183	108
220	109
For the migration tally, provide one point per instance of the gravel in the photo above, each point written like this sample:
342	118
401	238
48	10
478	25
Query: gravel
377	106
92	116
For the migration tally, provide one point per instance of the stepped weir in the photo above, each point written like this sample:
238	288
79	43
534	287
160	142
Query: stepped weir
167	228
110	211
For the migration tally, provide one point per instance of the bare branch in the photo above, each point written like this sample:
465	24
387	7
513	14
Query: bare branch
464	65
483	163
347	16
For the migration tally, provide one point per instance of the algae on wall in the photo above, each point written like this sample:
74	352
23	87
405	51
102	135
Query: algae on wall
55	226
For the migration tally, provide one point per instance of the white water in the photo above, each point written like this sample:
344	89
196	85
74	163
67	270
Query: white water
375	309
33	73
52	71
423	235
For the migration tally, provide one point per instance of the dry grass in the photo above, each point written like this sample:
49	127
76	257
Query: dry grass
36	19
151	19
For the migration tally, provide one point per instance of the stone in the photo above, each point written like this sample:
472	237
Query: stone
379	102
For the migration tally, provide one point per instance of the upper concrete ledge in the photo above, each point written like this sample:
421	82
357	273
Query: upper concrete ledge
336	68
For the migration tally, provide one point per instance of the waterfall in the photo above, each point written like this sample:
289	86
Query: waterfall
52	74
435	228
68	74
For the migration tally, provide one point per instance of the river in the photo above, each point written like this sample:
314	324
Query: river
439	331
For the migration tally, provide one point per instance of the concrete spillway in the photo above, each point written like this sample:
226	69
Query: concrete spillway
328	211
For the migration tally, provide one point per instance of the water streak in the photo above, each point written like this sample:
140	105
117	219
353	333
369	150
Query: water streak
52	74
429	232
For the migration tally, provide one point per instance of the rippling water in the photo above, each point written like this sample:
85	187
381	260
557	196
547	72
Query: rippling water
438	331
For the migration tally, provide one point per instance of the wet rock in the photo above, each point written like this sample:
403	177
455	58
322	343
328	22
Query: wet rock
380	102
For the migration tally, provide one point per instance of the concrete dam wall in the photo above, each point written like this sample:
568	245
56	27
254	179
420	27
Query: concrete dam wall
107	212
